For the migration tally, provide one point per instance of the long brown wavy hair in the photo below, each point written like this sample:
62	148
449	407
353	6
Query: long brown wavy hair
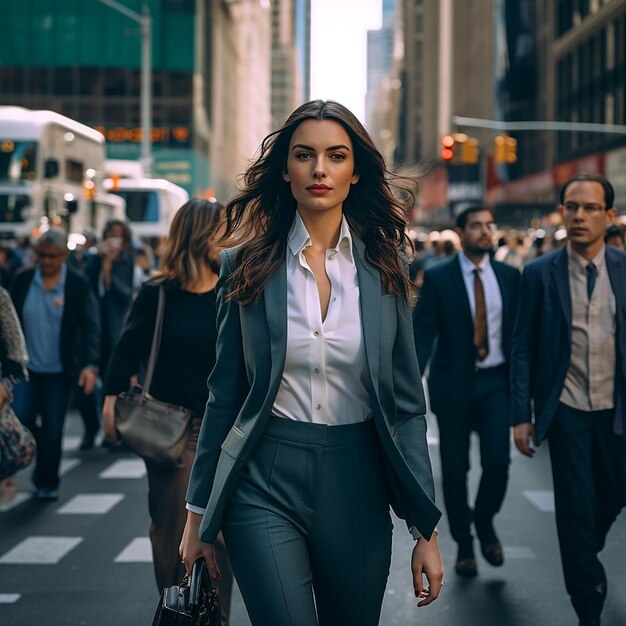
260	216
192	240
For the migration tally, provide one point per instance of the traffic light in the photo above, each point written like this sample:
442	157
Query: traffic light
459	148
447	148
505	149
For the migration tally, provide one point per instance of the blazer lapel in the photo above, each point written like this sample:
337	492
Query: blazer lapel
561	278
458	289
275	297
370	299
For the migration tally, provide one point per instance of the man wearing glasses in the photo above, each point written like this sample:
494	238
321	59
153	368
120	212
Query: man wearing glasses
569	350
59	315
468	304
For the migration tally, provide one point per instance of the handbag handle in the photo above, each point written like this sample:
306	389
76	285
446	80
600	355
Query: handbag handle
156	341
199	575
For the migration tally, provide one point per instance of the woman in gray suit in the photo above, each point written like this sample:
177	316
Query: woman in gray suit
315	418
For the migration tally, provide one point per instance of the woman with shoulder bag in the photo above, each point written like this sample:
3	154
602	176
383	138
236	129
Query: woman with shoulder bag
17	444
186	355
315	420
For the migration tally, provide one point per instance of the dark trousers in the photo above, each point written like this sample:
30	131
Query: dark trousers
589	473
488	414
44	396
168	514
308	528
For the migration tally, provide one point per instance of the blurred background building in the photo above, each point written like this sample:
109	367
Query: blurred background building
222	70
508	61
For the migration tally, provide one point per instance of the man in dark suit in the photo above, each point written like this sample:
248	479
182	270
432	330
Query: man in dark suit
468	304
60	319
568	355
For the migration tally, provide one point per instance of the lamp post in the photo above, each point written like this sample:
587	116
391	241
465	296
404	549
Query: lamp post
145	22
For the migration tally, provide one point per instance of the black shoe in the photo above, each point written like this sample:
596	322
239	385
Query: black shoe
589	622
88	441
490	546
465	565
47	494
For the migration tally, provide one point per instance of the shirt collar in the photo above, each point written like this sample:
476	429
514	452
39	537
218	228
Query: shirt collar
60	286
299	238
580	263
468	266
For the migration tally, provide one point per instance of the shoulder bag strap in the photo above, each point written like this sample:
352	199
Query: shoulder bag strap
156	341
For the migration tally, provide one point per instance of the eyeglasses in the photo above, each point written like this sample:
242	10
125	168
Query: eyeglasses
589	209
48	255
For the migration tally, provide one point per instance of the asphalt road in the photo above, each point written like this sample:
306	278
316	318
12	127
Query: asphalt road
85	560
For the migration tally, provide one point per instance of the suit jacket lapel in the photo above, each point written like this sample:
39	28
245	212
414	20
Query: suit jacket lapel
369	297
561	278
457	285
275	297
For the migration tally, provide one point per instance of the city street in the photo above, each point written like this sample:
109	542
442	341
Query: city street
85	560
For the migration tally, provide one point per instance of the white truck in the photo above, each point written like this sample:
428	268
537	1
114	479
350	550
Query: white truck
151	203
51	170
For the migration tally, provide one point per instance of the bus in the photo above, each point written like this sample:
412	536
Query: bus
151	203
51	170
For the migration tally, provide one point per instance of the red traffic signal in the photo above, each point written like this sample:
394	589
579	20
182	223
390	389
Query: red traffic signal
447	151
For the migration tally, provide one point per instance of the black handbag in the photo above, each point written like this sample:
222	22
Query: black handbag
192	603
153	429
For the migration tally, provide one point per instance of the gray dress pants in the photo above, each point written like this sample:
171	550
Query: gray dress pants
308	528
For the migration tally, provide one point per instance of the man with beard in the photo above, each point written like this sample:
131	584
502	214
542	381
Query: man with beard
468	305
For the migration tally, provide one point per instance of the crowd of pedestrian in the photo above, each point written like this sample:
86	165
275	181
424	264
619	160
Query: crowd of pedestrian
312	341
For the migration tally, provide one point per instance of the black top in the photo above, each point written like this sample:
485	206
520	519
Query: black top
187	352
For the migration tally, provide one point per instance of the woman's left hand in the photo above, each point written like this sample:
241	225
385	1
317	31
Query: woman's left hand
4	395
426	559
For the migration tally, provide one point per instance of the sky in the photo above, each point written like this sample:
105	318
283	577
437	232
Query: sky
339	50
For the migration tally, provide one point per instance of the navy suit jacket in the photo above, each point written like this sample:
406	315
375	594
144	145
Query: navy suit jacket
542	339
443	313
250	357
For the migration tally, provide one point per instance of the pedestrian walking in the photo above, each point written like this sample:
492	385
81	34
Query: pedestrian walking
60	319
189	271
315	421
569	347
468	306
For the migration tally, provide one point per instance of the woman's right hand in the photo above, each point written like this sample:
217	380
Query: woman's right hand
108	419
191	548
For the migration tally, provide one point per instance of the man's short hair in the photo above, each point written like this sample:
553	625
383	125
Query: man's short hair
52	237
614	231
463	216
583	177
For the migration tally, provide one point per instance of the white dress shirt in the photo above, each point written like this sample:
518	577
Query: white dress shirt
493	302
325	376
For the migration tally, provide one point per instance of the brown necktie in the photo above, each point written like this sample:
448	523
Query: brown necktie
481	339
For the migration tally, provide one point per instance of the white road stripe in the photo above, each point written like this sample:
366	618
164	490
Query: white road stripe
519	552
40	550
9	598
67	465
91	503
130	468
138	550
543	500
20	497
71	443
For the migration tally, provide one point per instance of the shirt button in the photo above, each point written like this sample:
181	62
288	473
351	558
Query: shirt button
318	406
317	370
334	299
316	333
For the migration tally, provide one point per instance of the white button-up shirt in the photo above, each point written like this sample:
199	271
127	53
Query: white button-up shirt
493	302
325	375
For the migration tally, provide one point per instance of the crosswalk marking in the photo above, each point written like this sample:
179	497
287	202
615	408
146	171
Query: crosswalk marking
129	468
71	443
40	550
519	552
543	500
91	503
67	465
22	496
9	598
138	550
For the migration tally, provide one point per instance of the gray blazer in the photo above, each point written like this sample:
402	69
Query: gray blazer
250	357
